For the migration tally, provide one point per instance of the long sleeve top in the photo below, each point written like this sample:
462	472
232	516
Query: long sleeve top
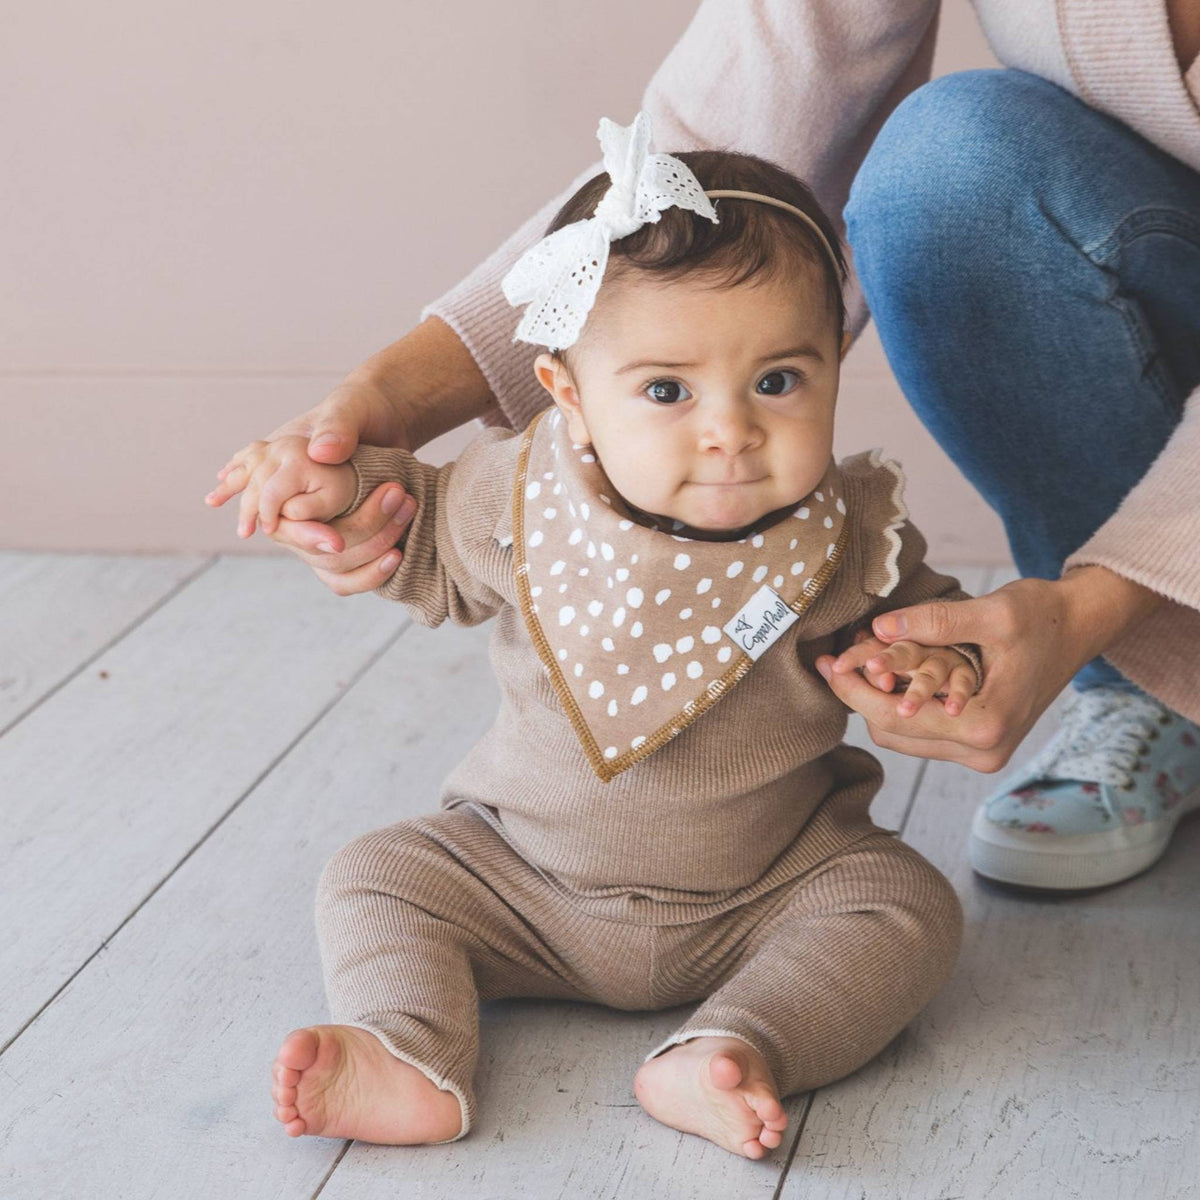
662	724
808	84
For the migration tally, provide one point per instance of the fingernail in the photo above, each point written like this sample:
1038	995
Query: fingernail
326	548
406	511
326	439
891	626
823	667
389	562
391	501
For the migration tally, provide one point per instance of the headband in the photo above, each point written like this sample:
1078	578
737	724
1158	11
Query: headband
559	277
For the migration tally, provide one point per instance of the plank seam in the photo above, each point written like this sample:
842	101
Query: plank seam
914	791
333	702
787	1166
118	636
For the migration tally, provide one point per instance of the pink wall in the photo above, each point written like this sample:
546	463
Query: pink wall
212	212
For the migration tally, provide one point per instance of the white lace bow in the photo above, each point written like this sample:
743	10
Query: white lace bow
559	277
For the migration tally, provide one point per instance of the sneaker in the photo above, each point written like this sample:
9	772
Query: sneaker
1099	803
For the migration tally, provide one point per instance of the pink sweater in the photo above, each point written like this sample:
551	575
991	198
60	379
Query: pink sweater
814	82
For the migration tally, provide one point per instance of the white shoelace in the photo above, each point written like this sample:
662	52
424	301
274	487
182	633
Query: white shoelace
1103	731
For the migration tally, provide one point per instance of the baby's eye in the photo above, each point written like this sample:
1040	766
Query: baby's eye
776	384
666	391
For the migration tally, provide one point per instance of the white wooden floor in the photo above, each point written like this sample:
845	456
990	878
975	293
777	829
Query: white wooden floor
186	742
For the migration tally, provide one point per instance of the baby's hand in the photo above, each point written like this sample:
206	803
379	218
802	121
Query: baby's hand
930	671
279	479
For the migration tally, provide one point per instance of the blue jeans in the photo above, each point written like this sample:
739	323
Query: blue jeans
1033	267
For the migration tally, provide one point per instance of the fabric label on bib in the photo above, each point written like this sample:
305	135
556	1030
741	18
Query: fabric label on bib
761	622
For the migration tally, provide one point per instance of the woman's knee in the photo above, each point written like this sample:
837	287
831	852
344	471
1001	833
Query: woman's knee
951	157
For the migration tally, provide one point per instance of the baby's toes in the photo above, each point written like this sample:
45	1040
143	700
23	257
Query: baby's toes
770	1138
767	1108
294	1125
299	1050
288	1076
754	1148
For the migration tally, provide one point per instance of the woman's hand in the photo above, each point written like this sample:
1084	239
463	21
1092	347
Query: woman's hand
352	554
419	387
363	552
921	672
355	411
1033	634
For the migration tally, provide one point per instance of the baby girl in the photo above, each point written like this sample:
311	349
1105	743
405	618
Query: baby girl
664	811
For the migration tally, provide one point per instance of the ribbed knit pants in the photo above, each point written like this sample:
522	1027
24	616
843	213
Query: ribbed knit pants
420	920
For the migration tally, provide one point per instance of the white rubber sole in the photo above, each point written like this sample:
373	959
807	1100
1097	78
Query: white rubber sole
1060	862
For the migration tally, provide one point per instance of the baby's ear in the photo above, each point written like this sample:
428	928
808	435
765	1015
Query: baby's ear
544	368
846	339
554	376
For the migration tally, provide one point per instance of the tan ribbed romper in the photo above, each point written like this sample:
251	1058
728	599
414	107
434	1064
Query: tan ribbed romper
610	839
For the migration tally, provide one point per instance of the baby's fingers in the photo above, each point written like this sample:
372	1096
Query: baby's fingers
235	474
924	680
959	689
859	654
865	649
248	506
308	506
285	483
233	480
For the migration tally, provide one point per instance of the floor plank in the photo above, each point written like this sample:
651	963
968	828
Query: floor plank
1061	1059
116	777
60	610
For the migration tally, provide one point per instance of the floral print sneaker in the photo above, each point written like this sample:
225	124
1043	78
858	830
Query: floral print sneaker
1099	803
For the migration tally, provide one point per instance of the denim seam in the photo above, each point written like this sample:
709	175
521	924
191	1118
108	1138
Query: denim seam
1139	223
1101	253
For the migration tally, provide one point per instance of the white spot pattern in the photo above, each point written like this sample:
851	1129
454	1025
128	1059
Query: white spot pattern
611	692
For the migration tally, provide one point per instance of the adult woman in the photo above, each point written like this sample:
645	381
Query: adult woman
1028	241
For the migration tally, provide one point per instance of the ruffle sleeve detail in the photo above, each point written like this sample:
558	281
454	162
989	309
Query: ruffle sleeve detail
876	490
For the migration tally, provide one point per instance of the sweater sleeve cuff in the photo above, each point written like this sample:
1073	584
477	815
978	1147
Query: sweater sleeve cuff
971	653
1151	540
374	465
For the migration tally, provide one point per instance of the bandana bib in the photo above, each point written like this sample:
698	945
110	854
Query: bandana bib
642	630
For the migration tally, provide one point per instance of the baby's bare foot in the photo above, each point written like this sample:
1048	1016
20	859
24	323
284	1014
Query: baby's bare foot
717	1087
342	1082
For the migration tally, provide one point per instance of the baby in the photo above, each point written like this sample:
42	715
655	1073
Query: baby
664	811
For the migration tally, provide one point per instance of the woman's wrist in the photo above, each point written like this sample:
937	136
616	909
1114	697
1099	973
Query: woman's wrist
429	381
1102	606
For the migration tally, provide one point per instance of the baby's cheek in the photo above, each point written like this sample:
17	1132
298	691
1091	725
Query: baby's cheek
642	481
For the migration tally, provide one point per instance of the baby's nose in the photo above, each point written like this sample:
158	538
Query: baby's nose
731	430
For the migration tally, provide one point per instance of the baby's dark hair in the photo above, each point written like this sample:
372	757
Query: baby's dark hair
751	238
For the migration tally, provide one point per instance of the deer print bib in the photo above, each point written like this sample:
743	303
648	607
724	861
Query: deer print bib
642	630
